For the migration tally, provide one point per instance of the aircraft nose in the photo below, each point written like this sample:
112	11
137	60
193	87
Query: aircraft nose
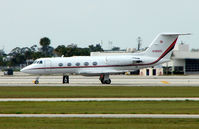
24	70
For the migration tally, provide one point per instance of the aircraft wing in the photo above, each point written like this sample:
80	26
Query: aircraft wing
97	72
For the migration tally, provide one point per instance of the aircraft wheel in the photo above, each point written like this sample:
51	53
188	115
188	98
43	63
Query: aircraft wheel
103	82
108	81
65	79
36	82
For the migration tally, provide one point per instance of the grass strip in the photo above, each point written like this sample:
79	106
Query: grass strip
114	107
97	92
97	123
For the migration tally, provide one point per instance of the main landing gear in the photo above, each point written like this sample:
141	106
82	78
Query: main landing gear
104	78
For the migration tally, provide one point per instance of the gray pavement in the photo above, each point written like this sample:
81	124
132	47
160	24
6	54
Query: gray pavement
104	115
96	99
117	80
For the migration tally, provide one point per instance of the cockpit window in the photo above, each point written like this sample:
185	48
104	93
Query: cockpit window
38	62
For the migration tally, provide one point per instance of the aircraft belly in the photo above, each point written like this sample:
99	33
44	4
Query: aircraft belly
108	70
62	70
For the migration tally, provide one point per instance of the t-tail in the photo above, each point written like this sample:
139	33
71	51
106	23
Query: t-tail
162	46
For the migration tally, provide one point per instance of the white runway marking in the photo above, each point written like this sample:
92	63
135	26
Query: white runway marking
96	99
104	115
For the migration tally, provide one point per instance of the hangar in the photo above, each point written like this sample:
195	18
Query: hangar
184	60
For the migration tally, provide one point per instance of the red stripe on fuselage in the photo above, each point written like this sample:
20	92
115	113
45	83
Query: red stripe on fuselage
164	54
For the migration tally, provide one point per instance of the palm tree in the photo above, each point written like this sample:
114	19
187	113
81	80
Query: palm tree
45	42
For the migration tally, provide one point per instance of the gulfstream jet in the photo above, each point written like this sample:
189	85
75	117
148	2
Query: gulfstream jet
158	52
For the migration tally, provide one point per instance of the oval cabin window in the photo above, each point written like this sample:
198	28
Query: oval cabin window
69	64
77	64
94	63
86	63
60	64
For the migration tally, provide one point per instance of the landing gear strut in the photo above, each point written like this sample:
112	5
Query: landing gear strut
65	79
104	78
36	81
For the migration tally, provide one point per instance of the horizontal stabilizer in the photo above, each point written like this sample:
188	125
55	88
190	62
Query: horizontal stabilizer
177	34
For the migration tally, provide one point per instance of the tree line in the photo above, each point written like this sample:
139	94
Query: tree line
20	55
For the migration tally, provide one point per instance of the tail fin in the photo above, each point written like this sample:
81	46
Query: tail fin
162	45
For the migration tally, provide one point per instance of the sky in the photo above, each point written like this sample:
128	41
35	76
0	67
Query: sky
83	22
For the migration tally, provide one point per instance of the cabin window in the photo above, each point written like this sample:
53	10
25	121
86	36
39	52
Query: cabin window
41	62
77	64
60	64
94	63
69	64
86	63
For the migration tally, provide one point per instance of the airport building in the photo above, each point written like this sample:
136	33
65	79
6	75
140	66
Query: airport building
151	72
183	61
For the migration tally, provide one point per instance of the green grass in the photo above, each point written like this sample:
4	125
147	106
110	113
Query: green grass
115	107
97	123
81	92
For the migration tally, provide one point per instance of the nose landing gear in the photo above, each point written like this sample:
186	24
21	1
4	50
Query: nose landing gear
36	81
104	78
65	79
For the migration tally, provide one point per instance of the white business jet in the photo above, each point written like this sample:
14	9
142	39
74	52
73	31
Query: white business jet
158	52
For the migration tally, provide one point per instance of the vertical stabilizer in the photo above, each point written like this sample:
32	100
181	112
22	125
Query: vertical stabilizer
162	46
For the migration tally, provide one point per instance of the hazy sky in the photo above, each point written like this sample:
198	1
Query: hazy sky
24	22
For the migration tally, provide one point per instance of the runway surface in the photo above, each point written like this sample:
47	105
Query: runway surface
96	99
103	115
117	80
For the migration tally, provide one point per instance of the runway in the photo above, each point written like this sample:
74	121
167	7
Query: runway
104	115
95	99
117	80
